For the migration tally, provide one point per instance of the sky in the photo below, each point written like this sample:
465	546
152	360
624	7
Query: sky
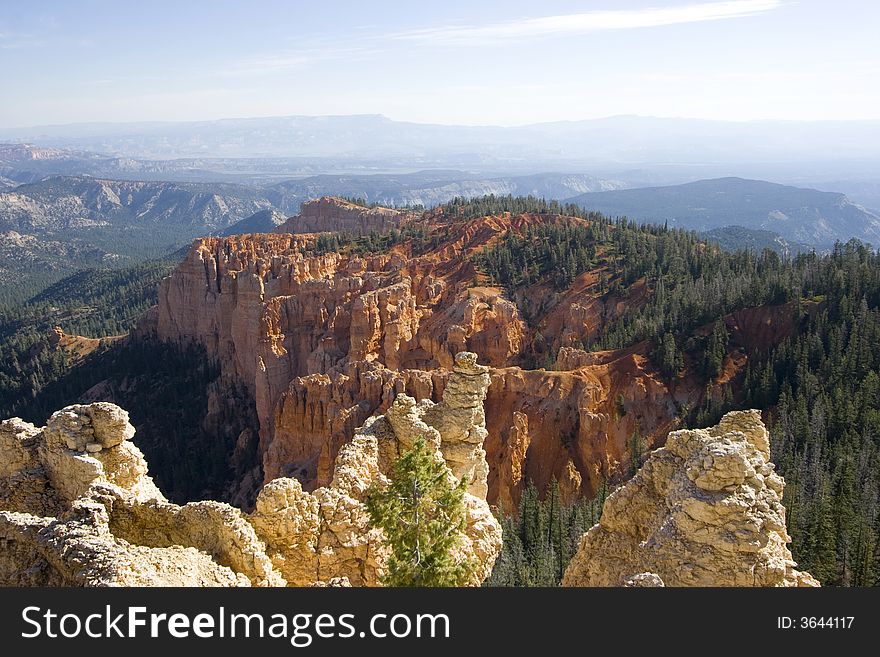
473	62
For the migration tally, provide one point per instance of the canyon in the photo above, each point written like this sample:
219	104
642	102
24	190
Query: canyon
322	341
320	356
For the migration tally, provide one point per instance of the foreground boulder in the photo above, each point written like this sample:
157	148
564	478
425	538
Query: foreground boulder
77	507
705	510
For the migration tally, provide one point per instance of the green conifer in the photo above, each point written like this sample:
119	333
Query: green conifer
422	515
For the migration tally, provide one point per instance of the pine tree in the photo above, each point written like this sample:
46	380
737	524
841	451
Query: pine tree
422	515
533	517
670	358
556	527
637	450
874	571
713	357
824	539
540	540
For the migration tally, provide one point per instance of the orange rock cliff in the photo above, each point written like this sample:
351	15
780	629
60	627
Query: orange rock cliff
321	342
329	213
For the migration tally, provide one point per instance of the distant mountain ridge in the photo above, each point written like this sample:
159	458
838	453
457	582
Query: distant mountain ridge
61	203
264	221
616	138
433	187
58	225
796	214
30	152
27	255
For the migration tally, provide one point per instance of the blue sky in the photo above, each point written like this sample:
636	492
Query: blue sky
504	62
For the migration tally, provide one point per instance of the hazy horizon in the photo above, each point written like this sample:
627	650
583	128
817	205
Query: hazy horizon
609	117
502	64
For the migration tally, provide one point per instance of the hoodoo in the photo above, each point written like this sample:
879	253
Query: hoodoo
705	510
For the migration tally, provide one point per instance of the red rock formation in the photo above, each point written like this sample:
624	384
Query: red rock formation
322	342
578	430
510	475
334	214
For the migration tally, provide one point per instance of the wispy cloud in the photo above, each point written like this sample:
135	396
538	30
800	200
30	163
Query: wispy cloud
360	46
586	22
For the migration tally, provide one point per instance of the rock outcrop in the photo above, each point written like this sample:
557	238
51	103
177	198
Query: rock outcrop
77	506
333	214
705	510
79	509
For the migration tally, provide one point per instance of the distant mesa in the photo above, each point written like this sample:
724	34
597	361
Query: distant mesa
633	140
796	214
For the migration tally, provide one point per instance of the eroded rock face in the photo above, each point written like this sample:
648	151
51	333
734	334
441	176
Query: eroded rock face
66	486
705	510
321	342
334	214
77	506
